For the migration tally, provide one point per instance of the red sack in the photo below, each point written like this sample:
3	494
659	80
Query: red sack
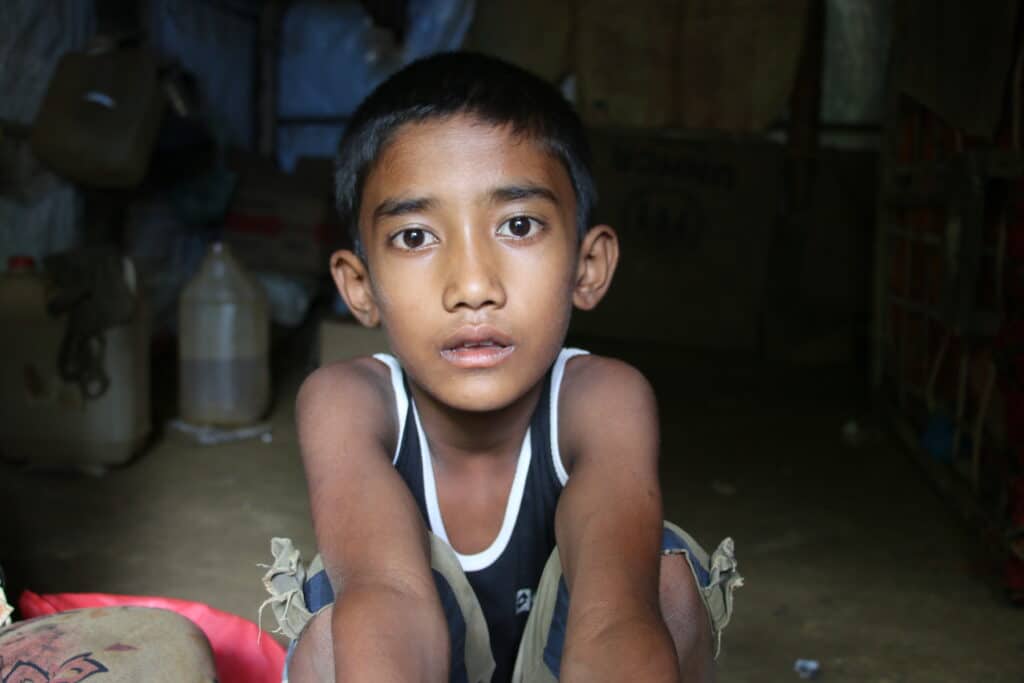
238	655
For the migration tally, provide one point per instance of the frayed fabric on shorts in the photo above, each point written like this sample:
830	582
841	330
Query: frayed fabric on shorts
297	593
716	575
540	652
284	581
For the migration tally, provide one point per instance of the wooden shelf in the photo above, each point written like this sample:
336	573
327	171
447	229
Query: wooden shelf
949	483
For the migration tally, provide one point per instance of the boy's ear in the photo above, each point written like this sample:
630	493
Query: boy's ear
353	281
598	256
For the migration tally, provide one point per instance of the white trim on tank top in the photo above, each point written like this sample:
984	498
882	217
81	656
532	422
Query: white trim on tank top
401	400
487	557
556	387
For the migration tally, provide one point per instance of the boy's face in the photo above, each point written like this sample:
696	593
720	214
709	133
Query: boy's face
472	258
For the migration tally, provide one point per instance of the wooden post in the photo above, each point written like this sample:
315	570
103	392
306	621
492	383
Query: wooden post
267	54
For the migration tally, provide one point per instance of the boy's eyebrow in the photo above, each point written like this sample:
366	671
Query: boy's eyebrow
399	207
513	193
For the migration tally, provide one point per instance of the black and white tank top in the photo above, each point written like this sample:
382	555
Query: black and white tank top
505	575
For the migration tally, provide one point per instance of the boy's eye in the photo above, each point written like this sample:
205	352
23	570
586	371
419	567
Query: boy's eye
413	238
519	227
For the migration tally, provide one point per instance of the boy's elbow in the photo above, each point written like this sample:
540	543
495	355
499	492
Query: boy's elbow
390	632
638	648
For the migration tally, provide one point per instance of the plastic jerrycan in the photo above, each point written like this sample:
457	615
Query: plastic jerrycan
46	421
223	344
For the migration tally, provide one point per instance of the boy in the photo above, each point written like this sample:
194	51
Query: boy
446	479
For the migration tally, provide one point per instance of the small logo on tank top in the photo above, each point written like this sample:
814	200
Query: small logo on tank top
524	600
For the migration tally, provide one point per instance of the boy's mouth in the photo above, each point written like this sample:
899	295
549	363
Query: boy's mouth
477	347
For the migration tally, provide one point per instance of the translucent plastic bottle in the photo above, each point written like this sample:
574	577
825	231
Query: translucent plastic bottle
49	422
223	344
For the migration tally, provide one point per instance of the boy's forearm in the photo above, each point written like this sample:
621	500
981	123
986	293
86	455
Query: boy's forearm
639	648
385	635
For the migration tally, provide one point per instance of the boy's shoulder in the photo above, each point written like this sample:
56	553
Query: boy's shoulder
347	394
593	375
588	379
363	374
598	394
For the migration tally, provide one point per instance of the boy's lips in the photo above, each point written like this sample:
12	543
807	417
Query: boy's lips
477	346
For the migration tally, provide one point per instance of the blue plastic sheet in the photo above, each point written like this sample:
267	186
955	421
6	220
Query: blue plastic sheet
858	36
34	34
216	42
332	57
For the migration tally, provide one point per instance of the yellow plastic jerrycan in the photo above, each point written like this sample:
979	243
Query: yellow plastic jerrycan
47	421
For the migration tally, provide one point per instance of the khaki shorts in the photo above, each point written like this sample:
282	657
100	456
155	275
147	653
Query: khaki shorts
298	593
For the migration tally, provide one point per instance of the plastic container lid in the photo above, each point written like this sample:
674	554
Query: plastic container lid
21	262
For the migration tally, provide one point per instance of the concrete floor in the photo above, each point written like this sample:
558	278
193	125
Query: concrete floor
849	556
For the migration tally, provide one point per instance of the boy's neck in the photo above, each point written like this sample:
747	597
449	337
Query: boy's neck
458	436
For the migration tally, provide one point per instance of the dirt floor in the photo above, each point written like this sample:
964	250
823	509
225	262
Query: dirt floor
850	557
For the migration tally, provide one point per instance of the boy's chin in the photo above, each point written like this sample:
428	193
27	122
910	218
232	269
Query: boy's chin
480	393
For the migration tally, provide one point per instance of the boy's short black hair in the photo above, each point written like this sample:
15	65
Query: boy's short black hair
453	83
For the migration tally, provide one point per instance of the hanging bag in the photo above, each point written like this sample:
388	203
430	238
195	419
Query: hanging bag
98	122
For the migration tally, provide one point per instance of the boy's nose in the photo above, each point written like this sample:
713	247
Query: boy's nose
473	280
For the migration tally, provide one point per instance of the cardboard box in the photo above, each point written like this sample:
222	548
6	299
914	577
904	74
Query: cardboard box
533	34
710	260
695	219
699	64
625	62
344	339
283	222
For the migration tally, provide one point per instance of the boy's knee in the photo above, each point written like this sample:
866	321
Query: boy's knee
312	658
713	577
686	617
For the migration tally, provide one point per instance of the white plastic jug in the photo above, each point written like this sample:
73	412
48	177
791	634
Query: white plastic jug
223	344
47	421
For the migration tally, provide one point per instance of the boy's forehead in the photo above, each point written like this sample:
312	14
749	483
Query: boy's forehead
460	154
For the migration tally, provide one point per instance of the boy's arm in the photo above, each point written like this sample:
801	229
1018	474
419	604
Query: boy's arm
387	624
609	525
